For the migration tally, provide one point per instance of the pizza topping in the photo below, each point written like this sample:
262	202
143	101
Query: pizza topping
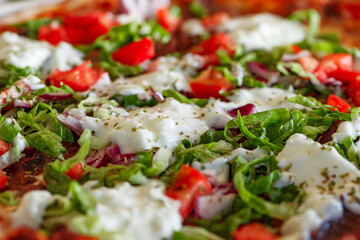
22	52
79	78
253	231
188	185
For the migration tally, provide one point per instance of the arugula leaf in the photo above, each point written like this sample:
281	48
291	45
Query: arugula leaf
9	74
133	100
117	70
82	200
278	211
9	129
176	95
195	233
314	19
47	142
7	198
198	9
54	173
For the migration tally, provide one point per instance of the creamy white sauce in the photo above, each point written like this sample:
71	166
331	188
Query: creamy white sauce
22	52
143	212
263	31
264	98
158	81
64	57
347	129
31	209
14	153
325	176
189	64
163	125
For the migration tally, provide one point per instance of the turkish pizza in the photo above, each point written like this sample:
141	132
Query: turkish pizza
153	120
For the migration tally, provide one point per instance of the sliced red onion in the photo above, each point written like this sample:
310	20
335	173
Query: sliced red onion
73	123
21	104
57	96
110	154
263	72
244	110
218	201
156	95
288	57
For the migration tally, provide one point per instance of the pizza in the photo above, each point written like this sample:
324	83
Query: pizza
174	120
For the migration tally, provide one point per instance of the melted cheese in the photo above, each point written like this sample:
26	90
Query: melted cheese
263	31
22	52
263	98
143	212
325	176
163	125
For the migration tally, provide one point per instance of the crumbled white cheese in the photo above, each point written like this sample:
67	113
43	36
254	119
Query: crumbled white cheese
163	125
31	209
263	31
143	212
346	129
325	176
22	52
64	57
263	98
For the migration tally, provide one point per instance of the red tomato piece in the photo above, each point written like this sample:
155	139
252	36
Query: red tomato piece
135	53
52	33
333	62
214	20
213	44
167	20
296	48
25	233
345	76
339	103
69	235
189	185
309	64
209	84
253	231
4	146
349	236
3	179
76	171
79	78
85	29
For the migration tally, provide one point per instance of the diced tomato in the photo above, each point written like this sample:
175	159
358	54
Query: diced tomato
339	103
345	76
53	33
209	84
167	20
189	185
296	48
4	146
76	171
350	236
18	89
63	234
135	53
309	64
253	231
214	20
85	29
333	62
79	78
25	233
213	44
3	179
77	29
350	9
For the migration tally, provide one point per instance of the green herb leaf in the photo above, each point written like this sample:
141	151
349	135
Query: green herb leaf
198	9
